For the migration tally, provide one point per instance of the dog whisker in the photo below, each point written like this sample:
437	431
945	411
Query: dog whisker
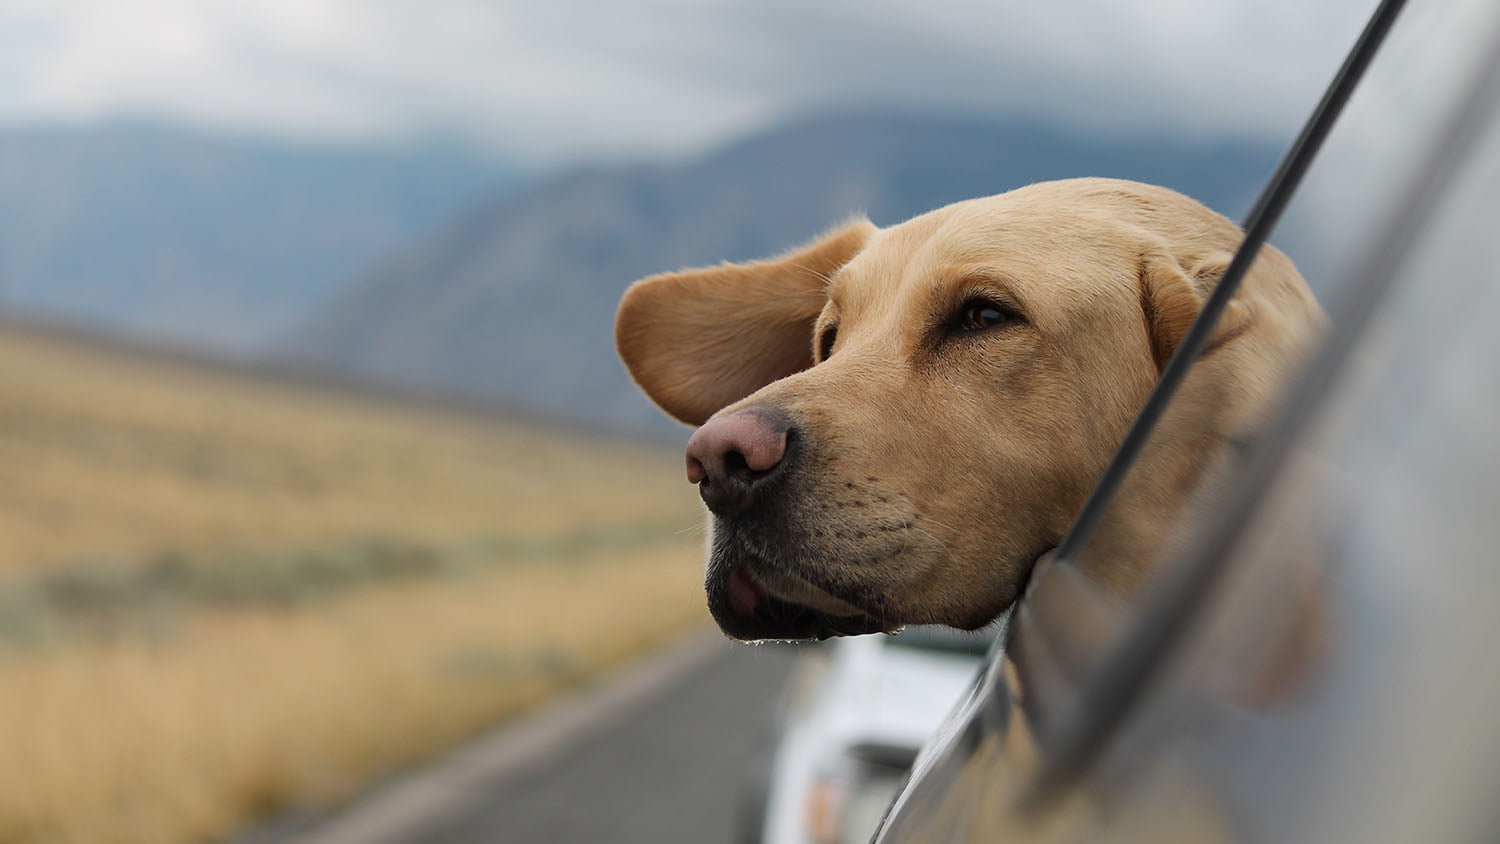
942	546
933	521
822	276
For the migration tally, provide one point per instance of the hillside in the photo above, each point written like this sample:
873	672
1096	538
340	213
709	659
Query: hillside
223	595
208	239
514	303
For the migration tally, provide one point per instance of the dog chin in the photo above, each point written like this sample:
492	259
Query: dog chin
746	609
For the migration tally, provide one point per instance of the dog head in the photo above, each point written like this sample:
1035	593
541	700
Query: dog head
895	423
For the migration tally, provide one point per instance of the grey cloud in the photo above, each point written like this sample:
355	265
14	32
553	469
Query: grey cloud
603	78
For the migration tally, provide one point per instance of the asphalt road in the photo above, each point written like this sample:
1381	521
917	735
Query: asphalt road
670	769
661	754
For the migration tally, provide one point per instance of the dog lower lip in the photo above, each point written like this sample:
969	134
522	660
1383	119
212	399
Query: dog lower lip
745	596
746	610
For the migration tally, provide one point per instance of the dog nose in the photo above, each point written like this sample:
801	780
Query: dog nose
731	456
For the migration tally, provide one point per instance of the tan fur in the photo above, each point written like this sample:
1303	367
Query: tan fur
937	465
692	360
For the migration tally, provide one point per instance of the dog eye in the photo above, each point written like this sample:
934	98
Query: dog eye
825	342
982	314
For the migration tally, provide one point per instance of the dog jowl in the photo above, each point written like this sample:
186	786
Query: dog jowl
895	423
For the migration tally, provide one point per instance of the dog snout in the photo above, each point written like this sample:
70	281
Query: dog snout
732	457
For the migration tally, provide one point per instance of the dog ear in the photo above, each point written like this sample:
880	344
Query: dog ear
1172	295
698	340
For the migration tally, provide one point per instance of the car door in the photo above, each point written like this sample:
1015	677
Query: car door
1314	663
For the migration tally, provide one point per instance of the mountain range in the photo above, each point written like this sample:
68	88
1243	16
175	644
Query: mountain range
208	239
513	303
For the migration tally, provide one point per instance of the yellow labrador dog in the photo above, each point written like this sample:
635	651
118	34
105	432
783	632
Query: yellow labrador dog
895	423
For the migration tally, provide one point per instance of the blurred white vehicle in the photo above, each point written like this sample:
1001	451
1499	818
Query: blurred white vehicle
854	715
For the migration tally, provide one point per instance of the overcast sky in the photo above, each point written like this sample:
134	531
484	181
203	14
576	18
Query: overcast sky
559	80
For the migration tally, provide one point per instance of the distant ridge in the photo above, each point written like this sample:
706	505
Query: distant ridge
515	302
215	240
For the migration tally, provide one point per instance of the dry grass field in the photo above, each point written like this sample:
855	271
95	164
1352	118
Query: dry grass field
222	595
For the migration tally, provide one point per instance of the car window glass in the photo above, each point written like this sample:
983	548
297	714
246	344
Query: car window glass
1338	689
1380	138
1402	519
